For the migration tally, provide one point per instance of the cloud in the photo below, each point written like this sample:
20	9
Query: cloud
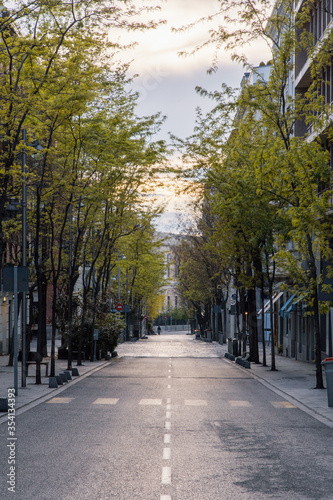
159	48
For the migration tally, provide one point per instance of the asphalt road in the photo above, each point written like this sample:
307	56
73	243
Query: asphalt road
186	426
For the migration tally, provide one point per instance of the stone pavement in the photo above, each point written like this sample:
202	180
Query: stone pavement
293	380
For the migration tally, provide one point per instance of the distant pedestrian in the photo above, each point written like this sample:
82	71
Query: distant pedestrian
159	330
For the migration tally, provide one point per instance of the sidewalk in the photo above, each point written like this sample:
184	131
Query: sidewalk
294	380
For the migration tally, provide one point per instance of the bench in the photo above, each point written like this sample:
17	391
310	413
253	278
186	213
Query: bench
45	363
33	359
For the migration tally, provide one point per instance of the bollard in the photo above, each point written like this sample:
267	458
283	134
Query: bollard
59	380
3	404
68	375
63	377
75	372
328	364
53	384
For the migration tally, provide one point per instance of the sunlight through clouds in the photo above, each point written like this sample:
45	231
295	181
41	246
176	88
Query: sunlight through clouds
165	81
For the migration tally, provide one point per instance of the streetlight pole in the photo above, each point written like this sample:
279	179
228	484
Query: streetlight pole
118	275
69	365
24	259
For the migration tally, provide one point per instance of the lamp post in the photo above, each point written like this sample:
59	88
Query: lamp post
69	365
118	275
24	260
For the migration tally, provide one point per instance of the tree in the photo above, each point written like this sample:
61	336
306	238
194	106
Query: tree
288	168
59	84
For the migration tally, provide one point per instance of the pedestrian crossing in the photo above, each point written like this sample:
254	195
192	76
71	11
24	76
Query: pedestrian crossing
187	402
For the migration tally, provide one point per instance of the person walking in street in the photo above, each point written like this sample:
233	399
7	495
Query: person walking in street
159	330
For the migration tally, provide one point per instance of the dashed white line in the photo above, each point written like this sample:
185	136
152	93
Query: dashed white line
168	425
239	403
166	475
166	453
167	438
195	402
61	400
169	386
150	402
165	497
282	404
106	401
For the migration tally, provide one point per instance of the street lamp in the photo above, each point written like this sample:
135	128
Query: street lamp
24	260
69	362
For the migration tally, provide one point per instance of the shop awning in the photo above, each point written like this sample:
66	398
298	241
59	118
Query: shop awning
268	303
286	305
294	302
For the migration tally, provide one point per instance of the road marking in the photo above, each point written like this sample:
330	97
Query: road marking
106	401
168	425
61	400
166	453
169	376
282	404
168	414
168	401
167	438
239	403
195	402
169	371
150	402
165	497
168	406
169	386
166	475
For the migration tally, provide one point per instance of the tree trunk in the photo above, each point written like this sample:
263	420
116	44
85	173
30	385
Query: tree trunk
264	362
253	326
273	365
316	323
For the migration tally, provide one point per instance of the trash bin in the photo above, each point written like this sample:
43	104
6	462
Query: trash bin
233	346
328	364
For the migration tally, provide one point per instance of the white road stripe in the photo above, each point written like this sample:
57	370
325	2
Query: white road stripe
150	402
195	402
106	401
240	403
166	475
168	425
166	453
168	406
61	400
167	438
168	414
169	386
165	497
282	404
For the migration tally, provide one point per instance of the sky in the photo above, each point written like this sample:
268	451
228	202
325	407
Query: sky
166	81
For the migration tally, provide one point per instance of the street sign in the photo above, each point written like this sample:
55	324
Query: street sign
119	307
22	279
